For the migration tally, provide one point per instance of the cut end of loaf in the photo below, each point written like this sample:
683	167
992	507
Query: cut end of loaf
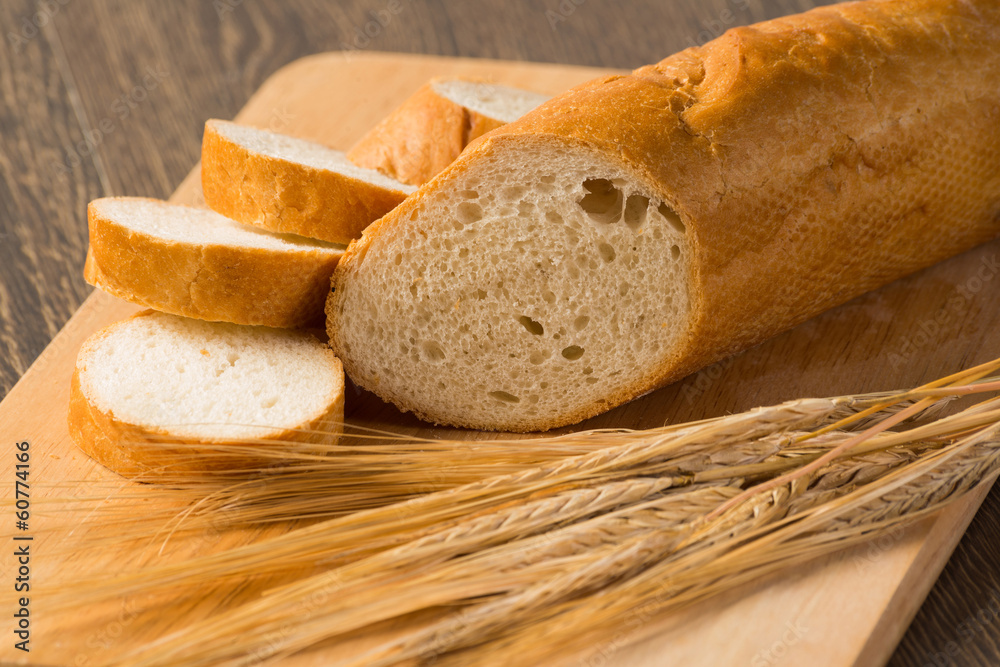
502	103
197	263
168	379
300	151
292	186
185	224
433	126
522	292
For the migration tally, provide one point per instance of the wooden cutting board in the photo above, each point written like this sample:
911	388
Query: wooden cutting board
849	608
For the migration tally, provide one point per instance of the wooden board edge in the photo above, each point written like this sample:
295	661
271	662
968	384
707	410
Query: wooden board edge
911	591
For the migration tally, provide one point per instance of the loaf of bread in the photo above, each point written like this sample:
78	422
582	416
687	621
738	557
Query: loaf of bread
291	186
149	389
431	128
640	227
197	263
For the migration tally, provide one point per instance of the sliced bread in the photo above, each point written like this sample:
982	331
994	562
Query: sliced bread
291	186
197	263
154	380
640	227
433	126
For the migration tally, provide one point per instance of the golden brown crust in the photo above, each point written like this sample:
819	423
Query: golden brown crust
812	158
288	197
208	282
420	138
128	449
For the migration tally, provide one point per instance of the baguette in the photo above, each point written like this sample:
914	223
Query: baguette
425	135
196	263
640	227
156	377
291	186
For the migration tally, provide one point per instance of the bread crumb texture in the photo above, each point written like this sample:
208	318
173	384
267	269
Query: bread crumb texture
208	380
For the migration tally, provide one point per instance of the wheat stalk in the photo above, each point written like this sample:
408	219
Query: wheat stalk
676	501
644	549
355	535
899	499
530	574
318	481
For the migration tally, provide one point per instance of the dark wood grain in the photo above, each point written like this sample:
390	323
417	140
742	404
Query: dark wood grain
42	239
109	97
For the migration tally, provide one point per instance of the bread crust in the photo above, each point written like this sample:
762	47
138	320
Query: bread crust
125	447
208	282
420	138
288	197
811	158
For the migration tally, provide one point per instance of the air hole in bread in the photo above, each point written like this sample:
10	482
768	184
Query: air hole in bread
548	178
635	211
607	252
512	193
398	259
539	356
581	323
269	403
531	325
469	212
468	194
573	352
671	217
504	397
432	351
603	201
232	358
675	252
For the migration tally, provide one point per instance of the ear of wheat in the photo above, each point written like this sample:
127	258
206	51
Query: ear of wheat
574	532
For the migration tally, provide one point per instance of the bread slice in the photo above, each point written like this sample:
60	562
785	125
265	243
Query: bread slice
196	263
430	129
291	186
641	227
162	378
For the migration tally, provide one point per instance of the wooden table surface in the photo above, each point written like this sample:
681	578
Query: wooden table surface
108	97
